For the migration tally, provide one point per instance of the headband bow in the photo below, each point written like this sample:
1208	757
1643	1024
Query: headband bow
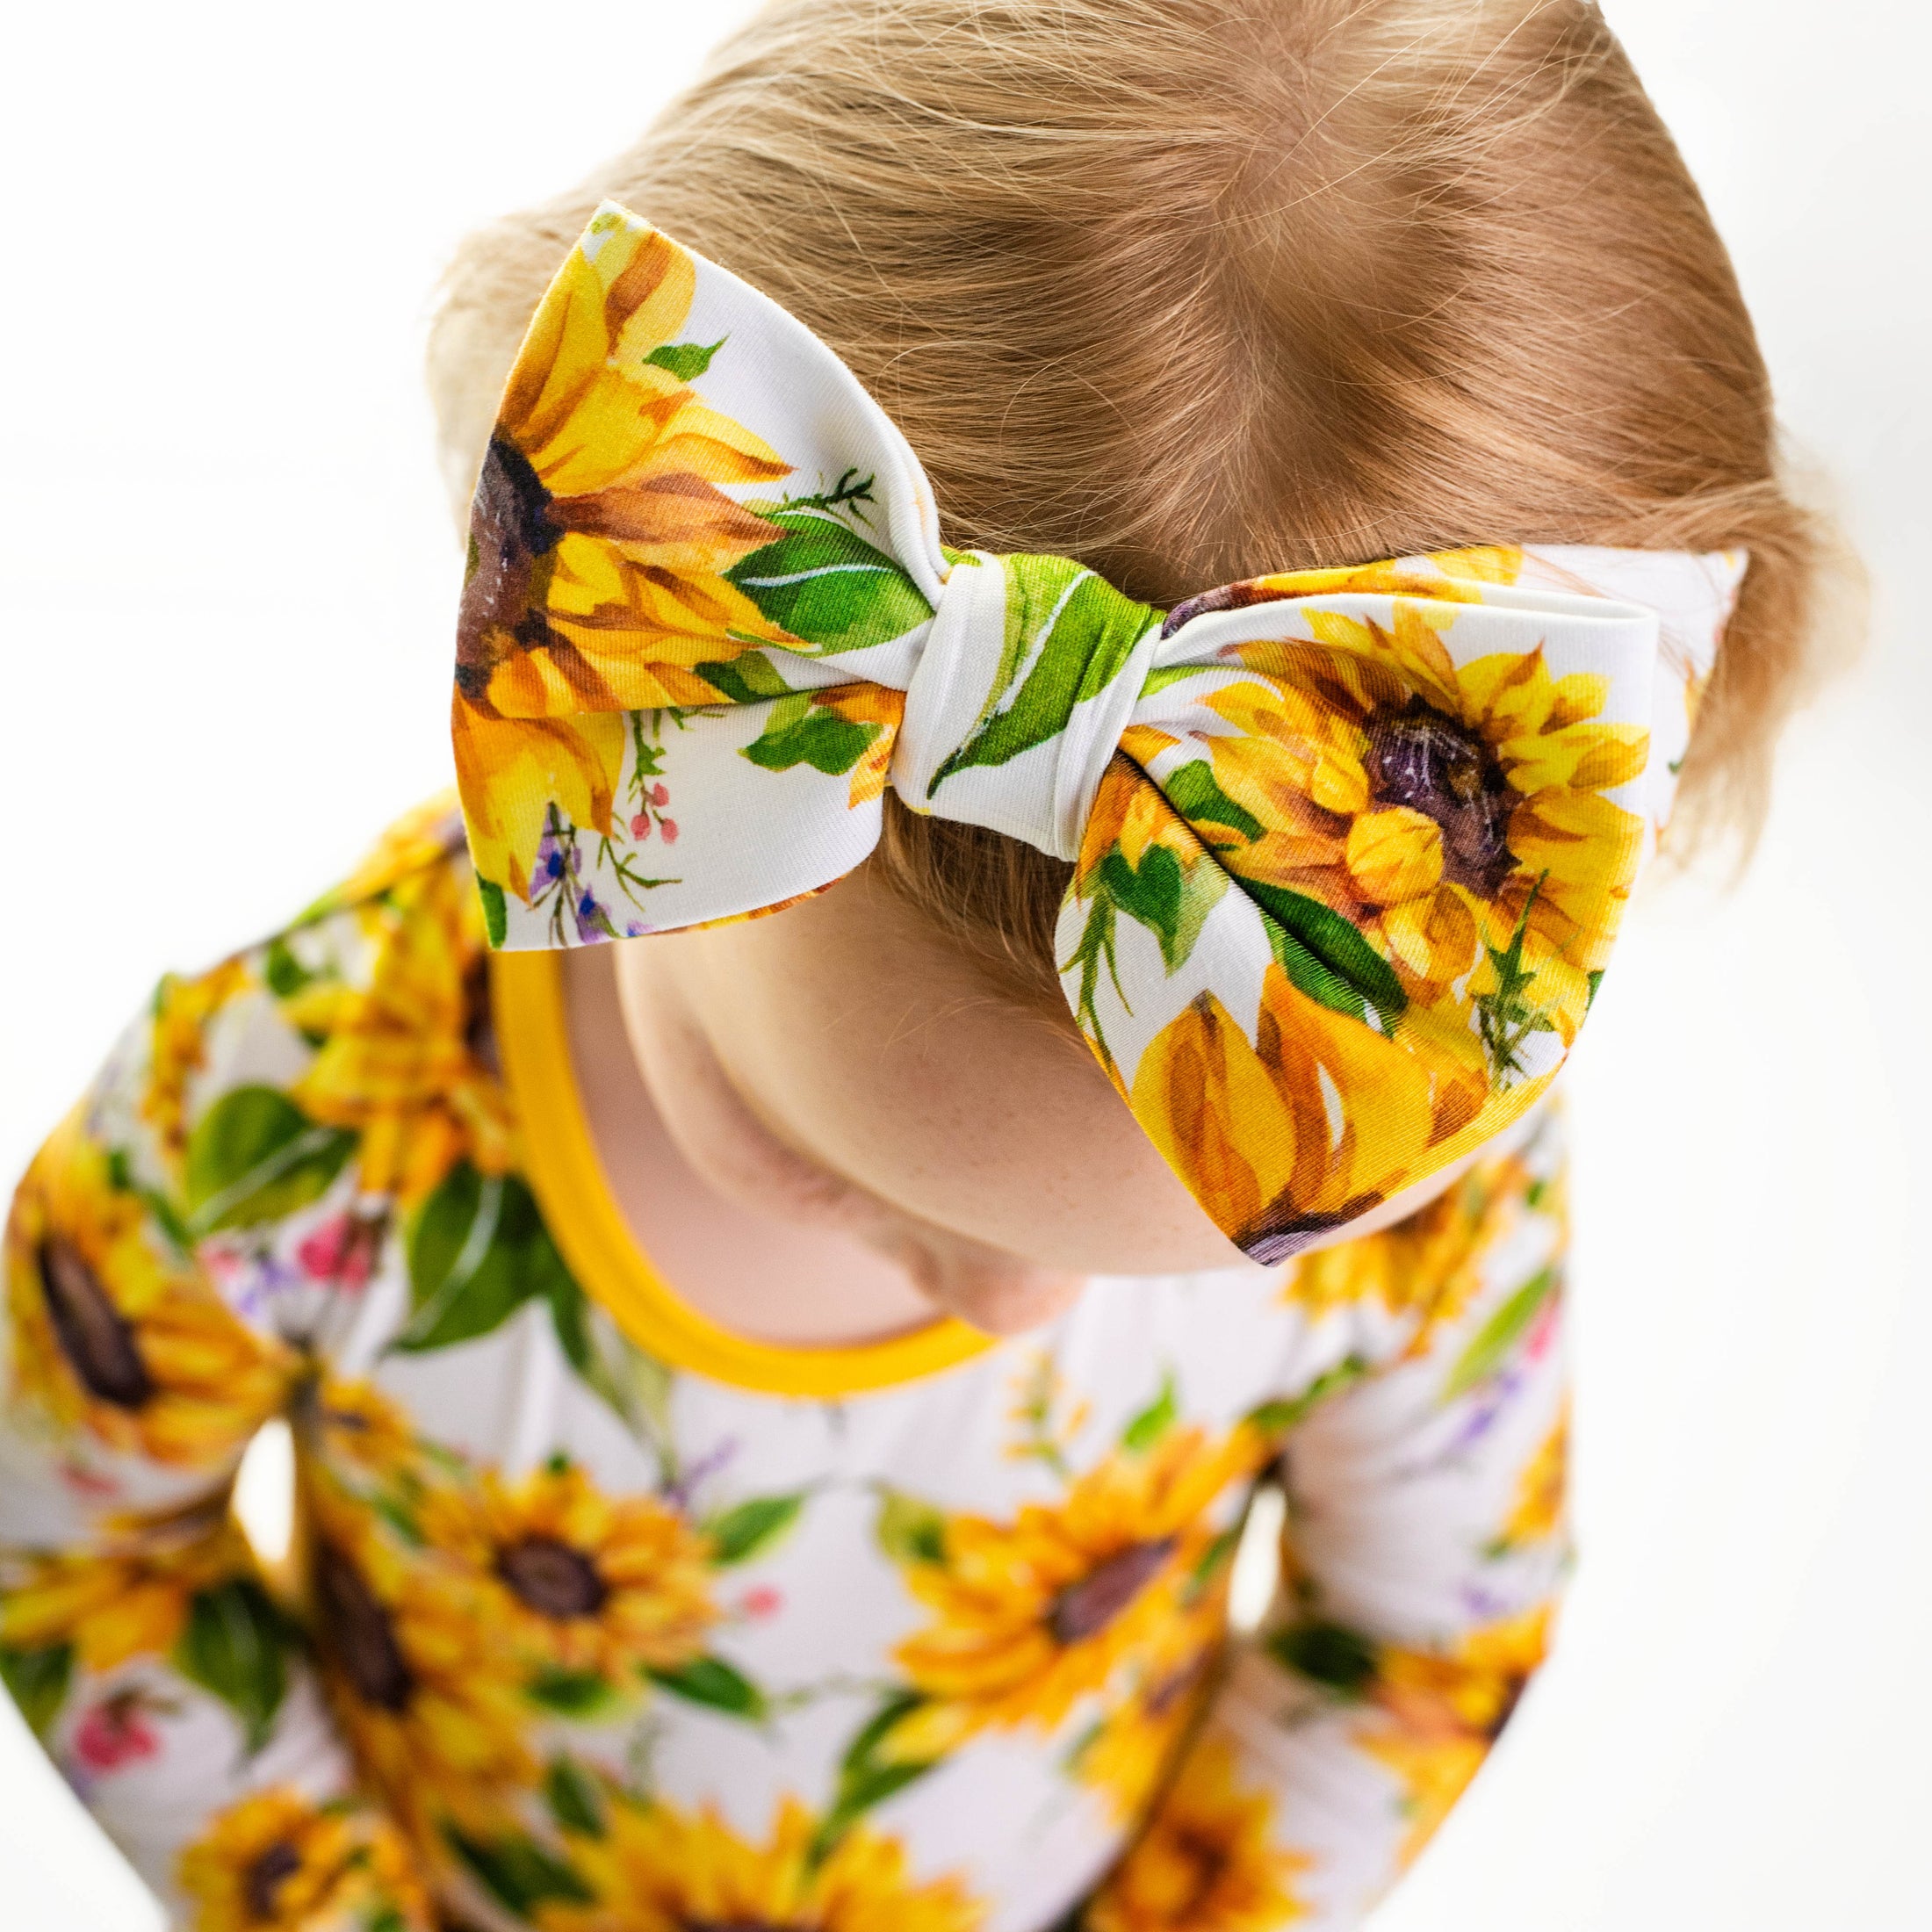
1350	847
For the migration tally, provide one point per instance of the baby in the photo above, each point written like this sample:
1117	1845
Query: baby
995	1361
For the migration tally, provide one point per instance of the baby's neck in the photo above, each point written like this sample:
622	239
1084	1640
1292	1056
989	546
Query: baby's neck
762	1277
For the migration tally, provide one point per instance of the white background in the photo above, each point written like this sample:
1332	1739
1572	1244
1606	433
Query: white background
230	581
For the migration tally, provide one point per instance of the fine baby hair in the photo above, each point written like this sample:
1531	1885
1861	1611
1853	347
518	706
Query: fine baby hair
1190	289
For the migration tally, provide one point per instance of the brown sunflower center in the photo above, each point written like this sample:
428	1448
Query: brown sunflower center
358	1631
1512	1696
95	1337
479	1017
552	1578
510	532
1431	764
1173	1691
266	1876
1084	1609
1207	1859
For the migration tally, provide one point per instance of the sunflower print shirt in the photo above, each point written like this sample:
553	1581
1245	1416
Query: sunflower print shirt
602	1619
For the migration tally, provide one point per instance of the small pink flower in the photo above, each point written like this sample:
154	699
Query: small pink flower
669	828
763	1601
88	1482
113	1733
343	1250
660	795
1544	1329
640	826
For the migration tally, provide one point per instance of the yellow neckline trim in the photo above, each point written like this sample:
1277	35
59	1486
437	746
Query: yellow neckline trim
564	1171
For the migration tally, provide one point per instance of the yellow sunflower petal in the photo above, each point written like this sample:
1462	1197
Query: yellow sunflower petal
1394	854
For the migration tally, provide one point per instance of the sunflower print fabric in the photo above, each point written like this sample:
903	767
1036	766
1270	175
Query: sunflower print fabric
578	1636
1351	845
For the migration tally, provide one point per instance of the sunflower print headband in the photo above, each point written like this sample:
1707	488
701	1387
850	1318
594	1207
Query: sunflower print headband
1350	847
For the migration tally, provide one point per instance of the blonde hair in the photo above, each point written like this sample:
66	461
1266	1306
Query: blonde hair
1196	289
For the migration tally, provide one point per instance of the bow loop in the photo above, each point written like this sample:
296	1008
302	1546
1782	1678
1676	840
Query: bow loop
1351	846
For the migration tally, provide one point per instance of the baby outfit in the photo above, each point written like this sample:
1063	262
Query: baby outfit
603	1617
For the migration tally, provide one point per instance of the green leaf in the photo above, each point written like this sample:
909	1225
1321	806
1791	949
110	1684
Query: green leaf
581	1694
1504	1015
1493	1340
714	1683
909	1530
1170	899
570	1316
1195	794
812	735
38	1682
517	1872
393	1512
573	1799
1068	631
1153	1422
285	974
864	1778
234	1644
1327	958
254	1156
478	1252
1152	895
752	1527
495	914
120	1178
686	361
827	586
1164	675
1326	1654
1219	1551
635	1386
1277	1418
745	679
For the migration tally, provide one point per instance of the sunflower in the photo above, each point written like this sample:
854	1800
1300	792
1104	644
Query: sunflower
575	1579
112	1607
660	1869
277	1861
109	1339
431	1712
408	1061
1135	1743
1030	1616
1428	1265
179	1047
599	544
868	705
420	840
1441	1711
1448	812
1316	1121
1207	1861
361	1429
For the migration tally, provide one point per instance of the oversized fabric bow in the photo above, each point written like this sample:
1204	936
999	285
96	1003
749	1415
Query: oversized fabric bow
1350	846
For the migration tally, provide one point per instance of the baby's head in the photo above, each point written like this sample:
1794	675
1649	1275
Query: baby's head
1190	290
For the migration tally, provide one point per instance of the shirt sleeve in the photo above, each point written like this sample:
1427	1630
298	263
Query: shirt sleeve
141	1350
1423	1544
